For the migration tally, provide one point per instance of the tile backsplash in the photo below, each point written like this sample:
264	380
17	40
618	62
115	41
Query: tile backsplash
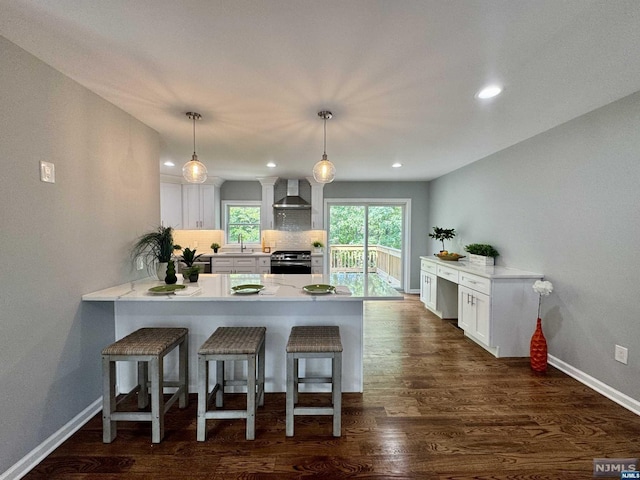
274	239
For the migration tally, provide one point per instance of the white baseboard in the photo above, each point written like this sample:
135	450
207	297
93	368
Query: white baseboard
35	456
620	398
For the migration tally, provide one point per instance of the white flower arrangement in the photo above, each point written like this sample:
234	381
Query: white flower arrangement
543	289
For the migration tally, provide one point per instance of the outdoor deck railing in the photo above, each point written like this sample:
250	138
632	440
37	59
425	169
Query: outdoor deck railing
384	261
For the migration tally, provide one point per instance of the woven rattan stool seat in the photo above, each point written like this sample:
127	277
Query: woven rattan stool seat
314	339
233	340
146	341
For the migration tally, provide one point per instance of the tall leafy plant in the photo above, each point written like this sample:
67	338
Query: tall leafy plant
154	245
443	234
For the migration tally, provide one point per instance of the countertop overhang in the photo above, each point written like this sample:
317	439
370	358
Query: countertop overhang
217	287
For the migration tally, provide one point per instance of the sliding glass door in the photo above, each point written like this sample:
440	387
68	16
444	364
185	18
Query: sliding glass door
367	237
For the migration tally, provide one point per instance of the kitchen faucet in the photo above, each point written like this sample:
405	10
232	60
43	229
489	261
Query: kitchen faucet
242	247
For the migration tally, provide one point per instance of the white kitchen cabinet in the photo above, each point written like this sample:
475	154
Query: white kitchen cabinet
171	205
495	306
267	221
234	264
317	204
474	310
263	265
316	263
198	207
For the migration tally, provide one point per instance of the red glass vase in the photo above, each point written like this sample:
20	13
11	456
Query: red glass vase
538	349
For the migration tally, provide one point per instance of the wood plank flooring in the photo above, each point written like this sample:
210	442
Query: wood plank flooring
435	406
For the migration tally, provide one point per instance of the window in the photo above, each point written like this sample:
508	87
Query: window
242	218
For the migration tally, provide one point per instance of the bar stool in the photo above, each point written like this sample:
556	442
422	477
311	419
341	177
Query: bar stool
147	347
231	344
314	342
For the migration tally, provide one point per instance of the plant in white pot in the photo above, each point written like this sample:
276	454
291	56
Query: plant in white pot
481	253
317	246
156	247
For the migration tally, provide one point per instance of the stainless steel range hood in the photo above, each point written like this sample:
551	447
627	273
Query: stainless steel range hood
293	199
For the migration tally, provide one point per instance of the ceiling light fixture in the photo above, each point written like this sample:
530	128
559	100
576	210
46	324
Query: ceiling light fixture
396	165
271	165
489	91
169	163
324	171
194	171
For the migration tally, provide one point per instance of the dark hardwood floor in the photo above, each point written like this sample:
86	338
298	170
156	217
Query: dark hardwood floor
435	406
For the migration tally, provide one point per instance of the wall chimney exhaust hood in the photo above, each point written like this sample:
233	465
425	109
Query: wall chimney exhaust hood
293	199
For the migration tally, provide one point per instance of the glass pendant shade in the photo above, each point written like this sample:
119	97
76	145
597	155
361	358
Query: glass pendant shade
324	171
194	171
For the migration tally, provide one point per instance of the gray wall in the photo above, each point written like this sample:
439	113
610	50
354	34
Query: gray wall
565	203
418	192
62	240
241	190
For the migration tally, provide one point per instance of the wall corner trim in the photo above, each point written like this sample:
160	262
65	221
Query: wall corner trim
35	456
620	398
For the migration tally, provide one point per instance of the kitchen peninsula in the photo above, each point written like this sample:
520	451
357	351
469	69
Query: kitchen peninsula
279	306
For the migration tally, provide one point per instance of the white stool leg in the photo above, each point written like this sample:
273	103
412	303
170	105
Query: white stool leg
220	381
183	353
251	397
109	427
143	379
157	400
337	393
289	395
203	393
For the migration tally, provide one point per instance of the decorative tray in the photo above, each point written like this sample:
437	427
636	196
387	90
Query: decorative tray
319	288
452	257
165	289
247	288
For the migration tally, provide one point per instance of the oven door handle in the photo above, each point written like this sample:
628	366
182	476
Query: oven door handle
290	264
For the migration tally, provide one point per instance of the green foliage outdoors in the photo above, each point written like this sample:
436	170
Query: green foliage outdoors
243	221
482	249
385	225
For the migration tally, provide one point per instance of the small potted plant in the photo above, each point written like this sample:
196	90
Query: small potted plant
443	234
481	253
156	247
192	273
317	246
215	246
188	258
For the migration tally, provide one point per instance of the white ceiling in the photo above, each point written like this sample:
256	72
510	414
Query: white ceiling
398	75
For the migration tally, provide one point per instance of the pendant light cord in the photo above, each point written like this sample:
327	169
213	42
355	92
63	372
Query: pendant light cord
194	134
325	135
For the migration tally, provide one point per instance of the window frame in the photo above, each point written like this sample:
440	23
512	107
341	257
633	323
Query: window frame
226	204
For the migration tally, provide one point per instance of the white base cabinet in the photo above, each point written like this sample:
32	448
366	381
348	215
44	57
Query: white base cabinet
241	264
495	306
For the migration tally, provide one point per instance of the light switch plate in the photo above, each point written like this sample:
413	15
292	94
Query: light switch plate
621	354
47	172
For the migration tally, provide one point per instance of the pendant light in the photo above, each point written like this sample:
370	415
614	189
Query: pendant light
194	171
324	171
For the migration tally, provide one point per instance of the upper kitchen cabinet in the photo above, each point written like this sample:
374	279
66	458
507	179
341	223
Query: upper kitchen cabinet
266	207
171	205
317	205
199	207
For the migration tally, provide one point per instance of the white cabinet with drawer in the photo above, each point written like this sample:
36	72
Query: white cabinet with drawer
234	264
316	263
495	306
263	264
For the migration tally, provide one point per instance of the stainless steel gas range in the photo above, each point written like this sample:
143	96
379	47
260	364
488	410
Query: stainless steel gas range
291	261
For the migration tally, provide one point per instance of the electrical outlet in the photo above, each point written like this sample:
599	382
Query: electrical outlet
139	263
621	354
47	172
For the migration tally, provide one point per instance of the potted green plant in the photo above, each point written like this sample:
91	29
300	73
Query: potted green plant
443	234
317	246
481	253
215	246
156	247
188	258
192	273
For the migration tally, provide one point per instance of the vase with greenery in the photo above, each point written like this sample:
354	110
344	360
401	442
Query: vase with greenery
156	247
443	234
215	246
481	253
317	246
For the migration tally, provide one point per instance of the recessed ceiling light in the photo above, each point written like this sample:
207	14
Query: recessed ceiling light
169	163
396	165
489	91
271	165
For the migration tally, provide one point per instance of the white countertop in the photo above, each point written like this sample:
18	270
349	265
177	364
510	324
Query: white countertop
489	271
217	287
